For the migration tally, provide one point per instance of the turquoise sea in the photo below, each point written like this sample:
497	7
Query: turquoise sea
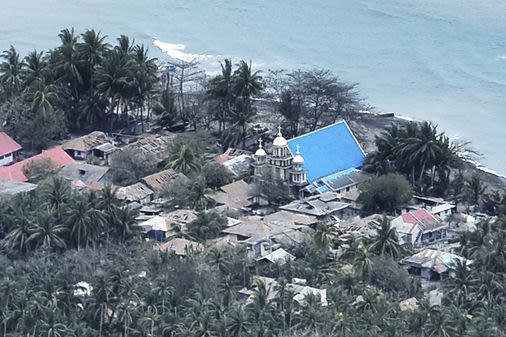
440	60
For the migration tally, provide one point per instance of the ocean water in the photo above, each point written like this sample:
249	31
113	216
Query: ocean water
444	60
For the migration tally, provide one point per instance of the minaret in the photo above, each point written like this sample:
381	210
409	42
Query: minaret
260	159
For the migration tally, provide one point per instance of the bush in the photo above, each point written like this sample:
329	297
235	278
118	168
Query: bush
216	175
128	166
384	193
208	225
387	275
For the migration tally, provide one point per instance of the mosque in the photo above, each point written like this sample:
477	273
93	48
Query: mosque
327	159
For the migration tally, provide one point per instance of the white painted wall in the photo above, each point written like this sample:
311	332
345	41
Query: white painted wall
7	159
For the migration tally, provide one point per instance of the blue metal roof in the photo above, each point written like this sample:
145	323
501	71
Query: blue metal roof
330	149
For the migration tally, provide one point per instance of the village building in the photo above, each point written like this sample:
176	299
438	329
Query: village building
87	174
278	256
288	219
420	228
325	207
180	247
83	147
159	182
324	160
298	287
9	189
359	227
56	158
138	193
433	265
236	161
9	149
235	196
437	206
154	147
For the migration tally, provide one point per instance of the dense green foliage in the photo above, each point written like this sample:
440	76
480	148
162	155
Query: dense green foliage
417	151
384	193
82	83
55	218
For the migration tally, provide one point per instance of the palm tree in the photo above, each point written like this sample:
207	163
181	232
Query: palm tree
323	236
184	159
386	241
474	189
163	292
43	97
92	51
17	238
145	78
125	224
246	83
238	321
56	192
362	262
83	222
69	64
114	78
165	109
45	233
422	150
35	68
11	72
220	89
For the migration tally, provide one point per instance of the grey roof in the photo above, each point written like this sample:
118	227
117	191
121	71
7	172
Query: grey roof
86	173
318	205
9	188
351	178
106	148
239	165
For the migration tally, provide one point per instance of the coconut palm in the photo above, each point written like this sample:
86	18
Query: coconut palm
386	241
144	77
125	225
35	67
83	222
11	72
362	262
45	233
474	190
184	159
323	236
247	83
43	97
68	66
92	51
238	321
220	90
56	192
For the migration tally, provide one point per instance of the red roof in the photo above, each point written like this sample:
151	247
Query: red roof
15	172
421	217
7	144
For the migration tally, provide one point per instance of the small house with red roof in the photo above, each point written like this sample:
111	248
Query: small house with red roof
420	228
56	156
9	148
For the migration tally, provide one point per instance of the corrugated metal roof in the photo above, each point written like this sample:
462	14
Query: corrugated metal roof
7	144
328	150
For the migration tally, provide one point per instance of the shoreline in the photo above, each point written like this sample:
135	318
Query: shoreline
369	124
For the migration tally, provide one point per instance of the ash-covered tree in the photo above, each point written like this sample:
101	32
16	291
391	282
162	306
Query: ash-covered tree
208	225
384	193
272	188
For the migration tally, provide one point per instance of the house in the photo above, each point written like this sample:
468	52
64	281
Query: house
432	264
83	147
8	149
286	218
9	188
360	227
236	195
160	181
138	192
154	146
86	173
437	206
104	151
298	287
339	182
180	246
56	158
321	159
156	227
420	228
279	256
325	206
230	153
